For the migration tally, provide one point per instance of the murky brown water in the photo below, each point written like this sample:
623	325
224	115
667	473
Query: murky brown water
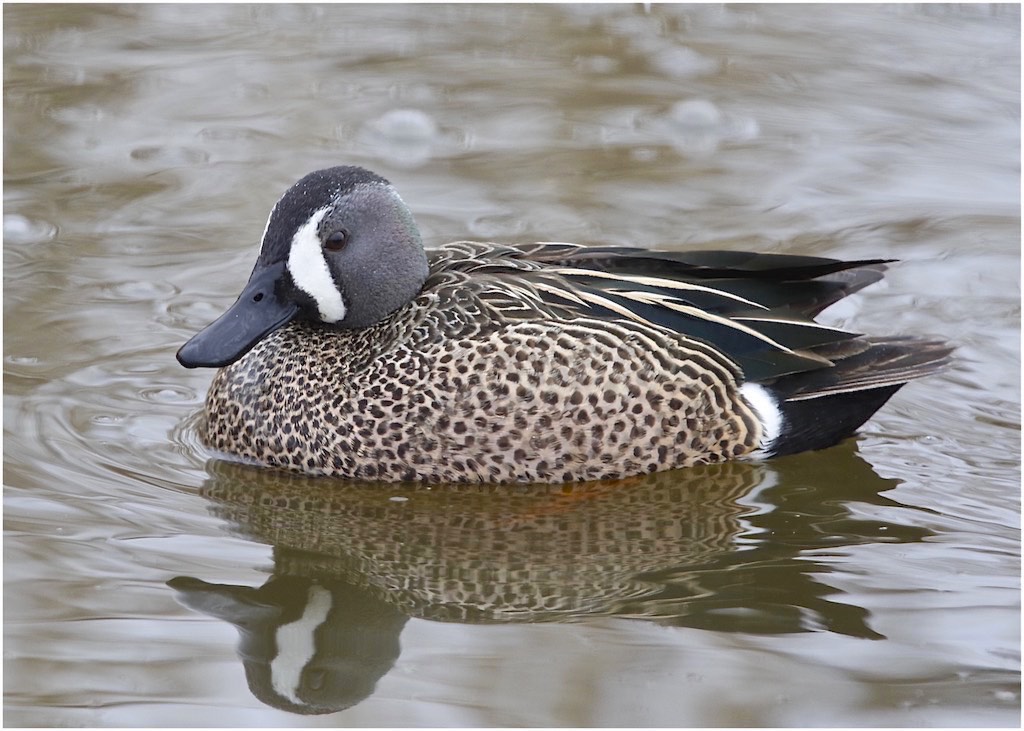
876	583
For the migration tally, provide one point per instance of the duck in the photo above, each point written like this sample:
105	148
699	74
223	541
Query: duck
354	352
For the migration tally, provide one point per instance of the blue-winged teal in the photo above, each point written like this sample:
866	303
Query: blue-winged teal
355	353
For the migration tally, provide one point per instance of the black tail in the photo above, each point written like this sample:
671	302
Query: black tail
826	421
821	408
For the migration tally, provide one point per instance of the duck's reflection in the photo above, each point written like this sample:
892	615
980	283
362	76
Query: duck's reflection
718	547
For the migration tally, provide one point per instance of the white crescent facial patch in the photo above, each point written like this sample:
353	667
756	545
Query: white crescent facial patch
309	270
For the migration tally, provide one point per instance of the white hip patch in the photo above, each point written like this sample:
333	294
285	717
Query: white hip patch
309	270
767	411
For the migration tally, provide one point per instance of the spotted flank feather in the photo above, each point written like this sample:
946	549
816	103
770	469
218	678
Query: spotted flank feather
539	362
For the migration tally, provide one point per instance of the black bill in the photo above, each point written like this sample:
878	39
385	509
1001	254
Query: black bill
257	313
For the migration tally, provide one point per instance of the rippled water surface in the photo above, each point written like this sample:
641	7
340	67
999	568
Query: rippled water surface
148	583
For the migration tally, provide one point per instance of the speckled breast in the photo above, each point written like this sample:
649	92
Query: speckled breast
519	402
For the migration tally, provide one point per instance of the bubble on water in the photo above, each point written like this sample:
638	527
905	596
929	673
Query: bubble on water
698	127
404	137
682	62
406	125
168	395
20	229
493	226
695	114
21	359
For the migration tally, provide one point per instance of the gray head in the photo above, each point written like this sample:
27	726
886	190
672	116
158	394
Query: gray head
340	247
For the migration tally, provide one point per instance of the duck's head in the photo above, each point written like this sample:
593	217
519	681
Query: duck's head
340	247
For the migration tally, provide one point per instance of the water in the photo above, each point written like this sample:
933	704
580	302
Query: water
876	583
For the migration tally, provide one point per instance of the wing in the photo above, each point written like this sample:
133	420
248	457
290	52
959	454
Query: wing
755	309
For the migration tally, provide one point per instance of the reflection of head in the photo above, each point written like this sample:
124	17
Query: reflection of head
308	646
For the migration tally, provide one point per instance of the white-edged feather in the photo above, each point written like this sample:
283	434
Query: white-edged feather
676	305
796	323
656	282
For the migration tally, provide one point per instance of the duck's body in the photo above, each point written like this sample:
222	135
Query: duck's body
536	363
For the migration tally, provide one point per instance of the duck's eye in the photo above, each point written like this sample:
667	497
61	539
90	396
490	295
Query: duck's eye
336	240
